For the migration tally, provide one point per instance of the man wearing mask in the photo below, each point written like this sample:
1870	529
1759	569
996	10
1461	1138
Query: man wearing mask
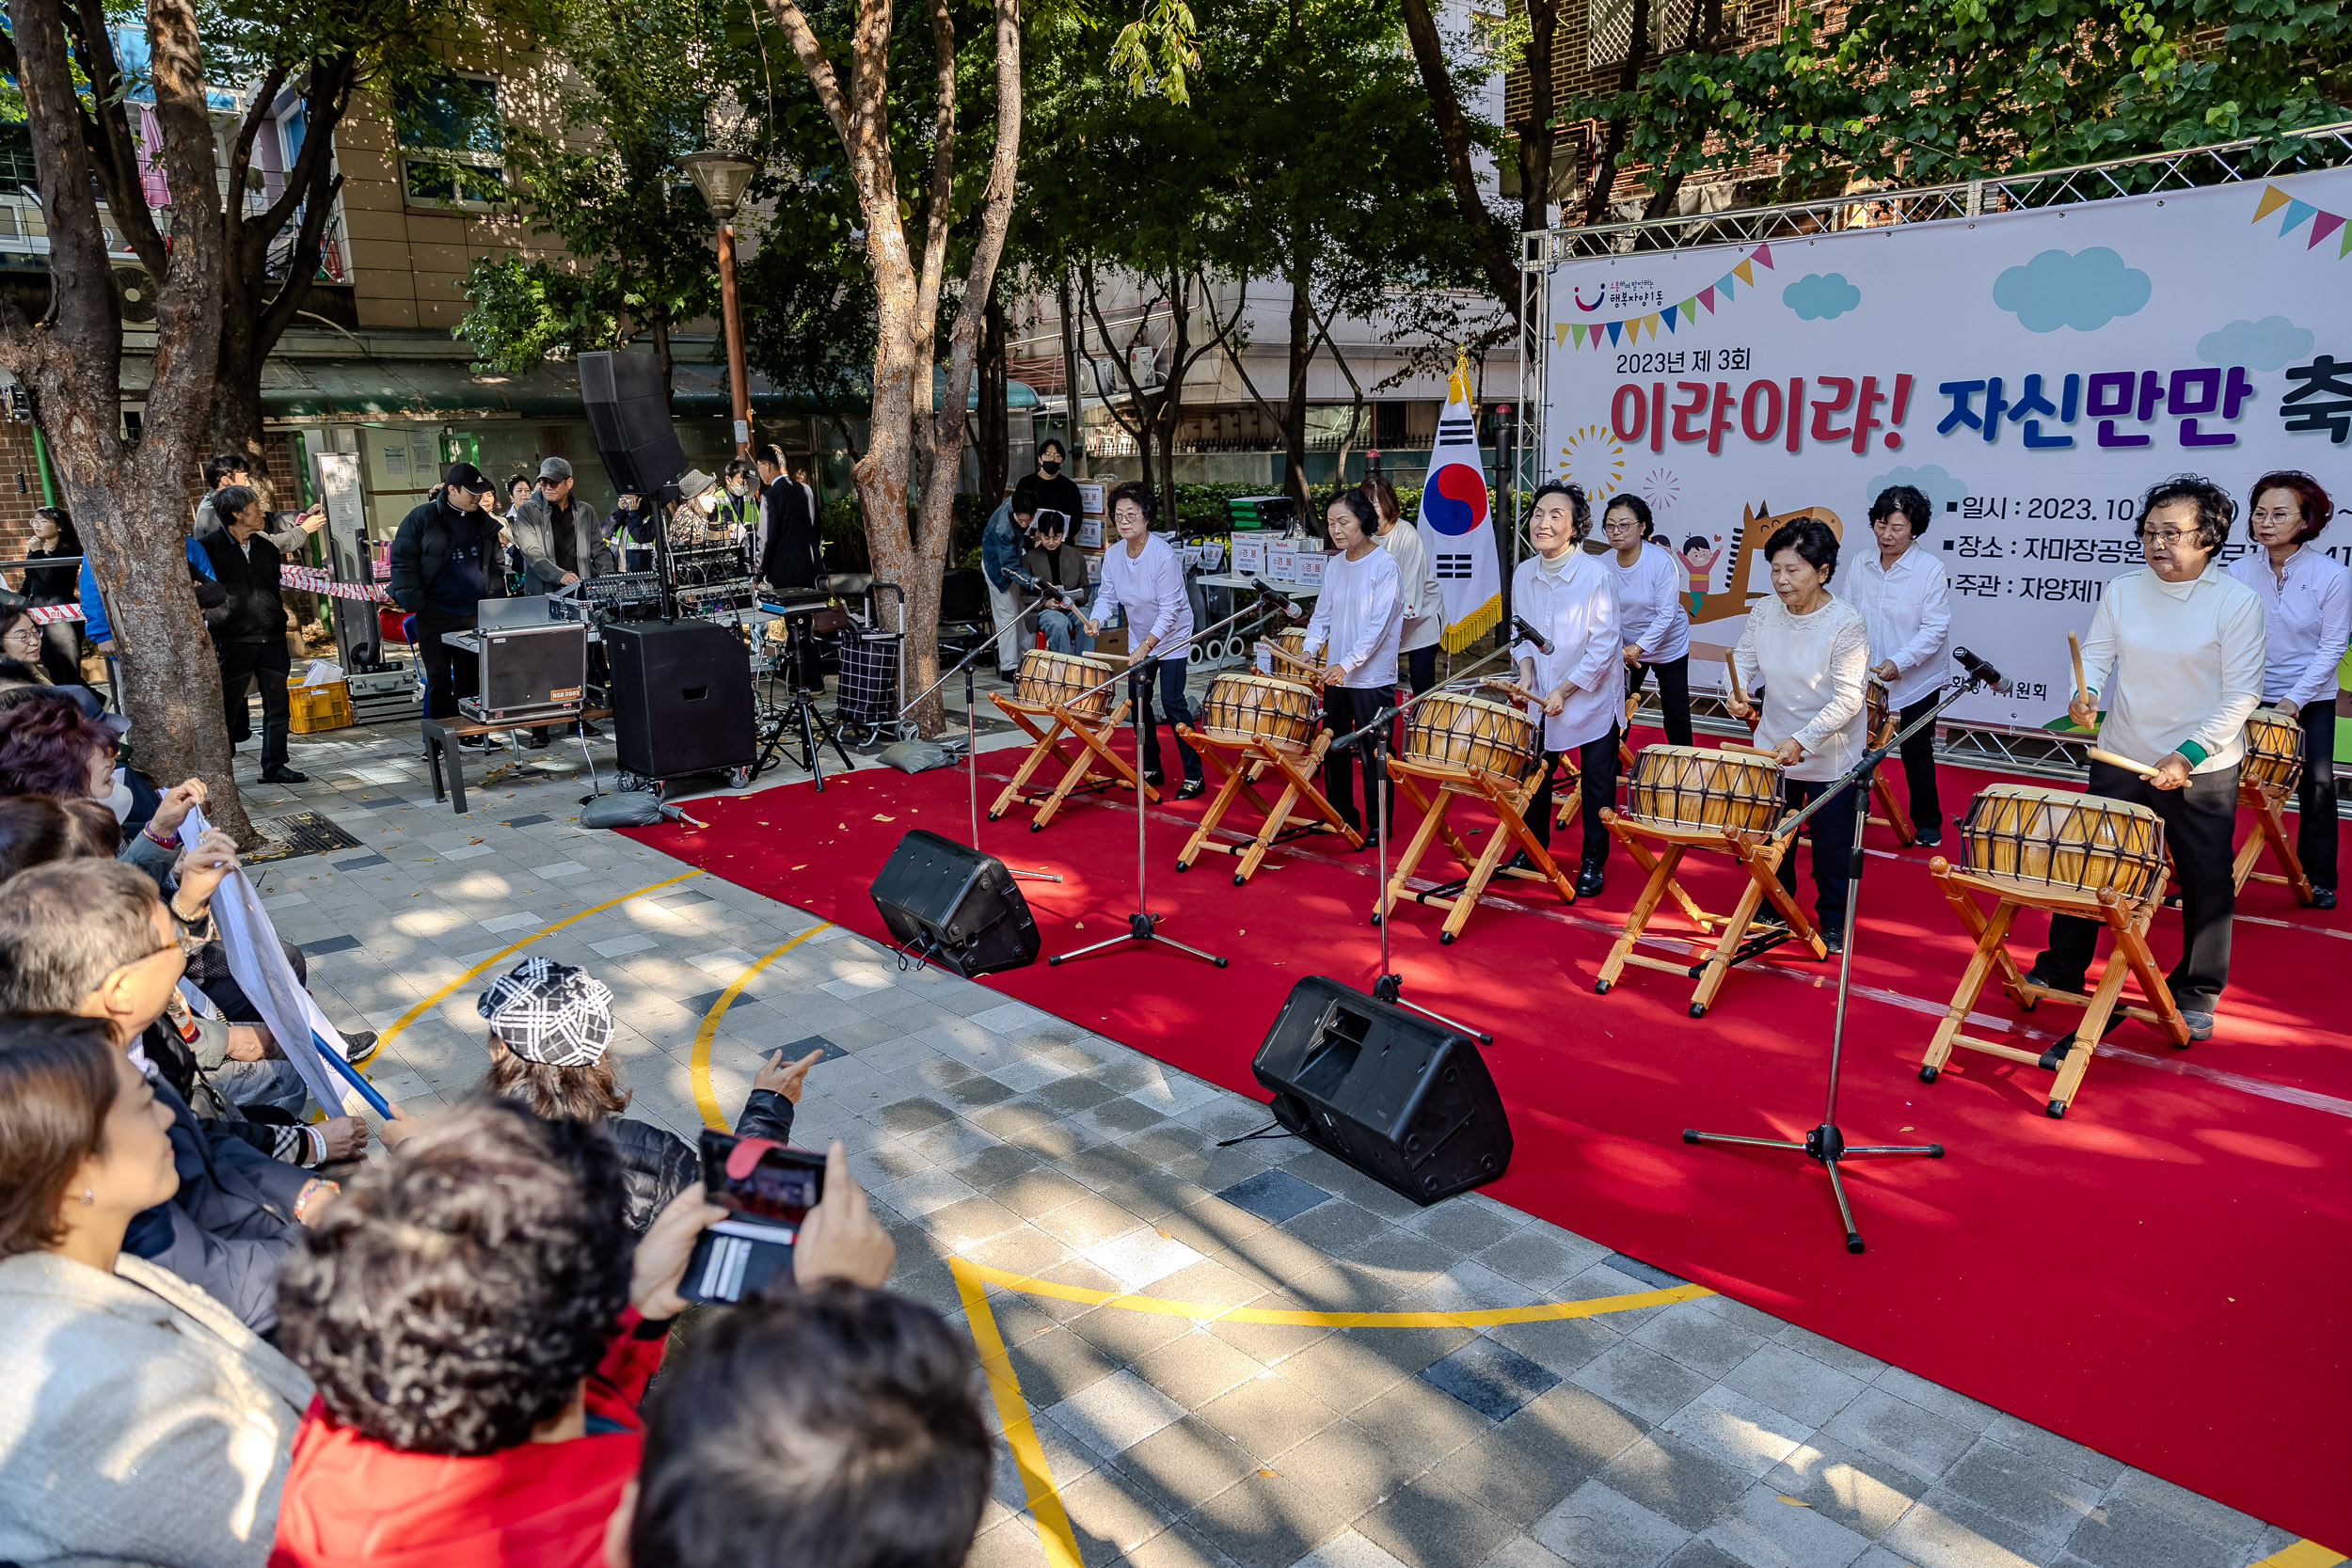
445	562
1049	489
248	628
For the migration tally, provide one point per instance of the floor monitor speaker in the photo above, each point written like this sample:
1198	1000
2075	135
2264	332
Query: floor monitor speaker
681	697
1405	1101
955	906
629	417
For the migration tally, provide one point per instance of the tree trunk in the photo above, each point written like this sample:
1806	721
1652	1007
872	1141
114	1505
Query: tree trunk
661	333
995	454
1302	349
1538	140
1170	412
1076	443
127	497
1494	251
1602	181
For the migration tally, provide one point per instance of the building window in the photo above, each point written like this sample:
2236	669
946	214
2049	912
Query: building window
451	146
1667	26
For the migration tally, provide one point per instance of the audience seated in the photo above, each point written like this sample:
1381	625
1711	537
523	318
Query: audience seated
834	1426
139	1420
481	1332
91	936
550	1024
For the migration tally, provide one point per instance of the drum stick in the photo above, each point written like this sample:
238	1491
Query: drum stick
1744	751
2125	763
1513	688
2074	646
1731	668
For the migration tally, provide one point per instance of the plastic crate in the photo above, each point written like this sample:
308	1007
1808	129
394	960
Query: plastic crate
317	708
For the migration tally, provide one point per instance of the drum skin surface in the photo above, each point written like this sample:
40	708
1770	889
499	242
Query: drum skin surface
1695	786
1257	707
1462	735
1049	679
2063	839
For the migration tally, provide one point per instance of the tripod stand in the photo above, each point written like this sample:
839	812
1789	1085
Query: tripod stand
799	713
1827	1143
972	743
1143	925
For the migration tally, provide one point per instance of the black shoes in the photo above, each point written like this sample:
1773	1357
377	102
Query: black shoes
2037	975
283	774
1834	941
479	743
1926	838
2200	1024
534	740
1192	788
1589	880
2323	898
591	731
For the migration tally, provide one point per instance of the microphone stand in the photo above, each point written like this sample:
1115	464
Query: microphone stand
1388	986
1827	1143
1143	925
972	745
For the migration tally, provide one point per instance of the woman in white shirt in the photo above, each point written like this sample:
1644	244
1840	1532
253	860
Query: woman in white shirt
1357	619
1806	652
1425	600
1141	576
1651	583
1571	597
2307	620
2185	640
1906	607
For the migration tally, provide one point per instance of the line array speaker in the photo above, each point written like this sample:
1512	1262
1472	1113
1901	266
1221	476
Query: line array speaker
629	417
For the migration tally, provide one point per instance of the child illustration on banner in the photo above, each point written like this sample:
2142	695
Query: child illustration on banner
1701	561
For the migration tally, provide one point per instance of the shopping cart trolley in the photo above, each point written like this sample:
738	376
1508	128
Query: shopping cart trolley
871	689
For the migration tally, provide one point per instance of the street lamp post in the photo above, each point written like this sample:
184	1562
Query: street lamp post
722	178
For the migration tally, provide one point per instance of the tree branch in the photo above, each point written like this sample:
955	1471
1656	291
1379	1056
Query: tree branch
793	23
1501	268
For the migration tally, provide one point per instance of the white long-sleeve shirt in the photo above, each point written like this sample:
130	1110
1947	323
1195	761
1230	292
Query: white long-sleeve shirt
2187	658
1907	611
1424	598
1811	670
1358	617
1577	608
1150	586
2307	622
1650	603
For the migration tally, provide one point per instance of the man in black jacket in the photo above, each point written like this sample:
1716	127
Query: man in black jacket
248	627
91	936
445	562
788	556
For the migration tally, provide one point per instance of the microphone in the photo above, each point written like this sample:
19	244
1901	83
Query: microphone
1529	634
1980	671
1291	610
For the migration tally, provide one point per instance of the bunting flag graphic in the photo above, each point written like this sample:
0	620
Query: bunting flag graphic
1456	524
1741	277
2322	224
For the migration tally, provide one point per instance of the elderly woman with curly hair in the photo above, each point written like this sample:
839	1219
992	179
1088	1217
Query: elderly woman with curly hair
141	1420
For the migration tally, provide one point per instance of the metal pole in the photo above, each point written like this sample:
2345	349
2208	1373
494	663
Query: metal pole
739	377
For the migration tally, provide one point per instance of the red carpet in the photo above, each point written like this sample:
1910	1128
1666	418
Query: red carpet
2162	1275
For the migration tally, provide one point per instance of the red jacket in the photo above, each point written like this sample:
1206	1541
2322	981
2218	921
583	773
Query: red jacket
351	1501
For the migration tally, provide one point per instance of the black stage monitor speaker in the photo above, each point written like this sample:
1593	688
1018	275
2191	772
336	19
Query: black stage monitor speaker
1407	1102
681	696
955	906
629	417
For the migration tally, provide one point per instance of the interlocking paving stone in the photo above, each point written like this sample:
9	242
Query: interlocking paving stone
322	947
1276	1195
1490	1378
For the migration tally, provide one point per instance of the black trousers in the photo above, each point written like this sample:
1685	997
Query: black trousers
2199	823
1832	831
1674	694
1927	807
1597	761
449	673
1345	709
269	663
1171	681
1420	669
2315	796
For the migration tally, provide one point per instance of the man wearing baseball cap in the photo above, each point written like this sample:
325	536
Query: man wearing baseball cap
446	562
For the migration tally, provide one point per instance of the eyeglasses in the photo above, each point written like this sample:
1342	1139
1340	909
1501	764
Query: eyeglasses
2167	538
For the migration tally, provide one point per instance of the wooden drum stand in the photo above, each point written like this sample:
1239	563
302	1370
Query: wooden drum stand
2273	766
1469	748
1251	726
1057	686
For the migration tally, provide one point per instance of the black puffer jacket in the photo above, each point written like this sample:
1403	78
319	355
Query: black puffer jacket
657	1164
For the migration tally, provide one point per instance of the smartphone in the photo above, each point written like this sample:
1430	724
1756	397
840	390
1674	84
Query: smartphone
768	1189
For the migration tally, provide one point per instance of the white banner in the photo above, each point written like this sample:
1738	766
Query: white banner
2032	372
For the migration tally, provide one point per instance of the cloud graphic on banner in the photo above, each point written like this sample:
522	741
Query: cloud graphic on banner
1931	482
2263	345
2084	291
1819	297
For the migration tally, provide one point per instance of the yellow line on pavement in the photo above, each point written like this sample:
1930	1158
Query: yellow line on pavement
2303	1554
1202	1312
704	1100
1012	1407
404	1020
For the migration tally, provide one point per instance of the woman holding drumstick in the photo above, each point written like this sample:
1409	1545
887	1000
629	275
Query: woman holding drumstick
1576	691
2184	640
1809	651
2307	620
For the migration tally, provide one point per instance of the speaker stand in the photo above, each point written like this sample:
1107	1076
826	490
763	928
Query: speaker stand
1142	926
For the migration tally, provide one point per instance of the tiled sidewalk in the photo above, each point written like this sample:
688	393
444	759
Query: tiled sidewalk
1697	1434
